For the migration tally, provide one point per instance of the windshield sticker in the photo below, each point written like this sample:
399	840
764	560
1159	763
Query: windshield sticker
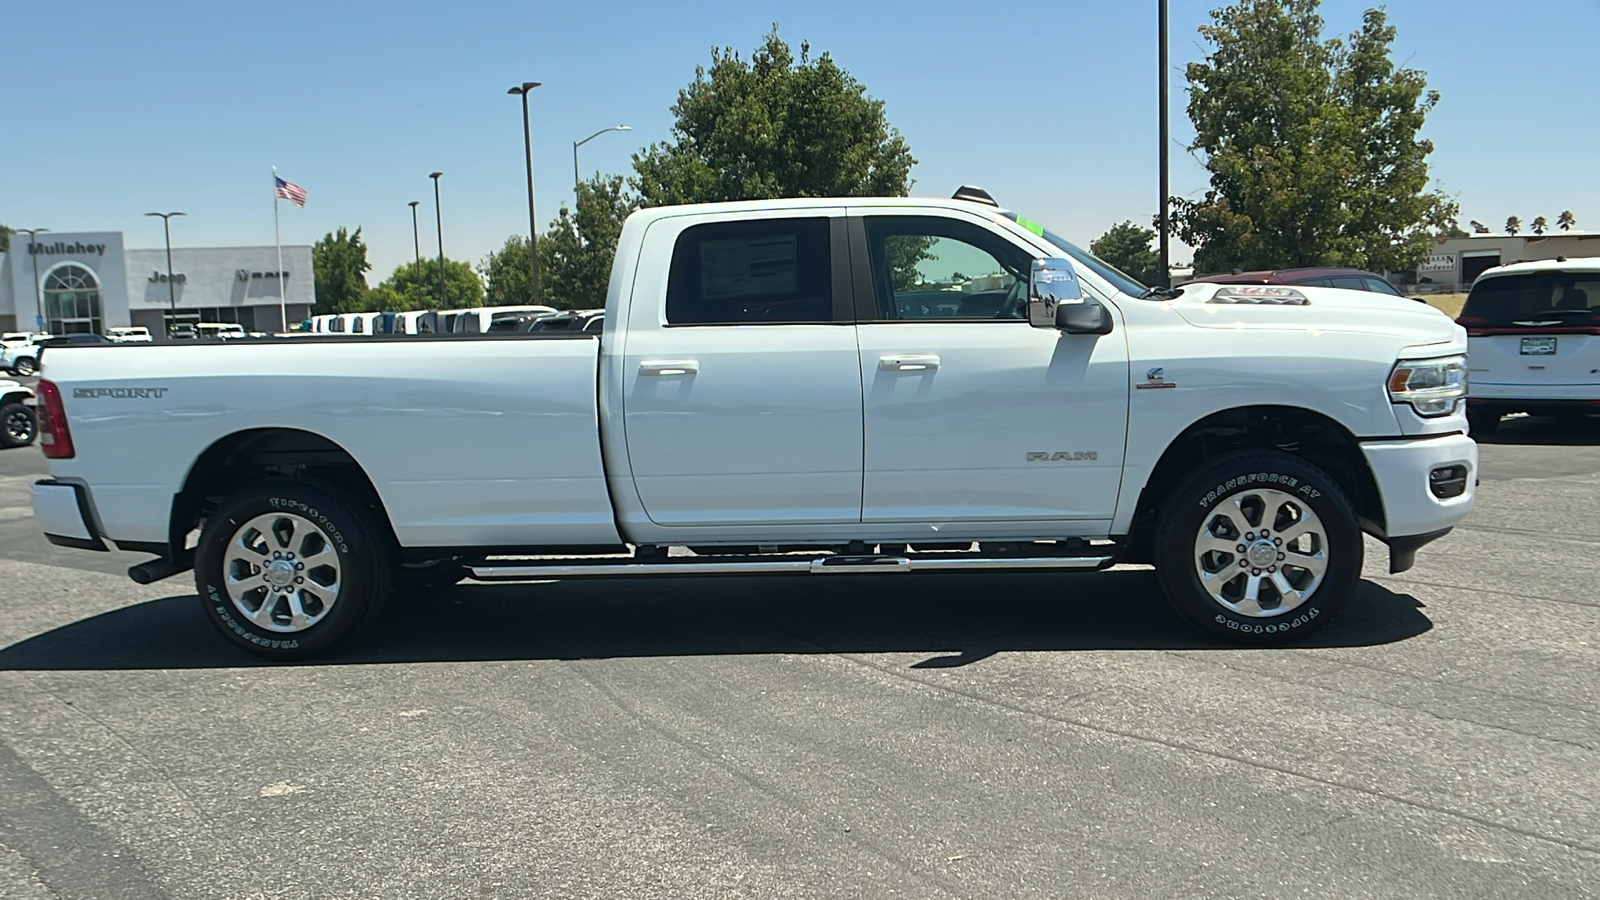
1031	225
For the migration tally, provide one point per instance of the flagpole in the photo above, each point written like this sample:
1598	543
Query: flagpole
277	237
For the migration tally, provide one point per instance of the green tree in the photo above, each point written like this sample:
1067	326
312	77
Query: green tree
404	289
1513	225
769	127
1539	225
5	238
505	274
1127	246
1311	144
1566	221
575	253
339	262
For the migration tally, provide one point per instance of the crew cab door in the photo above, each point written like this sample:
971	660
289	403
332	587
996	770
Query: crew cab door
742	398
970	414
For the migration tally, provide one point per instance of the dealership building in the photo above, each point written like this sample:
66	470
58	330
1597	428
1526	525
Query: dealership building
87	281
1452	264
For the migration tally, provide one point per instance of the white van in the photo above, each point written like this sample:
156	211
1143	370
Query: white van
129	334
1533	338
223	331
417	321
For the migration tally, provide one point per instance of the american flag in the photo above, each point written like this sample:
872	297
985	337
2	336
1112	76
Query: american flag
289	191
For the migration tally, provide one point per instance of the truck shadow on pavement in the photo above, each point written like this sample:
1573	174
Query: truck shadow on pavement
952	620
1546	431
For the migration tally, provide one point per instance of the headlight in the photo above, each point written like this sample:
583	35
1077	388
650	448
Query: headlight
1431	386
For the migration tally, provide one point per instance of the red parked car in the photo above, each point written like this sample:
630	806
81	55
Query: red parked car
1353	279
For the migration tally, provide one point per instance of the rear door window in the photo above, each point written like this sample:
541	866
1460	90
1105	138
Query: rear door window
1379	286
1348	282
754	272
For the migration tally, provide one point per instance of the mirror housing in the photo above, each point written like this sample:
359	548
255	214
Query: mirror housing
1052	285
1088	317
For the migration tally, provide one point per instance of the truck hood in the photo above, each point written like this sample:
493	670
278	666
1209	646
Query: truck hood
1329	310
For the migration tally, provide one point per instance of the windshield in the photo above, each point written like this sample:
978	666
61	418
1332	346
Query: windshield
1118	278
1572	297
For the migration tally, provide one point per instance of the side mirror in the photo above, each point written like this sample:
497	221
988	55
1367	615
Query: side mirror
1052	284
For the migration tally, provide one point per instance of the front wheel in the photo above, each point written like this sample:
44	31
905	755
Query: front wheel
1259	547
287	570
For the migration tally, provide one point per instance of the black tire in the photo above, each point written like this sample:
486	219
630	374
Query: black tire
25	366
1245	477
19	426
360	568
1482	422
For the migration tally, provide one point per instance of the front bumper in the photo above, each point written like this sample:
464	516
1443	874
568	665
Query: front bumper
62	510
1413	514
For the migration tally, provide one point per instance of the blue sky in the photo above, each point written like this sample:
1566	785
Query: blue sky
114	109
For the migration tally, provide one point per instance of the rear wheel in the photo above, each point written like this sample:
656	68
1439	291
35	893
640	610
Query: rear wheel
1260	547
287	569
26	365
1482	421
18	425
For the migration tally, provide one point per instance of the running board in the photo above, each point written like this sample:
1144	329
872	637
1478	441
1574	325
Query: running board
700	565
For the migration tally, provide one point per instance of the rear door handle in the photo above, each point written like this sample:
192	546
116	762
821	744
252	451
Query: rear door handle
912	362
669	366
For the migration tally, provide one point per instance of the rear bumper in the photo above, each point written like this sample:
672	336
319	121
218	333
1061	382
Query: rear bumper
1484	392
62	511
1538	406
1413	513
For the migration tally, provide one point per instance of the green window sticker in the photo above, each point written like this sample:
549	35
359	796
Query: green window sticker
1031	225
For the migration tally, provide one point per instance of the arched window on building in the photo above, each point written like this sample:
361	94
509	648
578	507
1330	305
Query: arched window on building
72	301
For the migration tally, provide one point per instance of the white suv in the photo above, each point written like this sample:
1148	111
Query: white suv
1533	332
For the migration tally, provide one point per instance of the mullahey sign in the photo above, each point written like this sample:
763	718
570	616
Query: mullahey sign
61	248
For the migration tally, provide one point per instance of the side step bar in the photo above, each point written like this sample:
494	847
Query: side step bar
532	570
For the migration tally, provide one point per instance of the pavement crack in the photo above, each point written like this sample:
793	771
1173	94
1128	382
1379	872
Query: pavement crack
1228	757
144	758
35	877
861	841
1478	590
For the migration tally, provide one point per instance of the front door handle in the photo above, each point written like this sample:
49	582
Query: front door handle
912	362
669	366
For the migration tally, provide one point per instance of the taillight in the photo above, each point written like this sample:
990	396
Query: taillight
55	439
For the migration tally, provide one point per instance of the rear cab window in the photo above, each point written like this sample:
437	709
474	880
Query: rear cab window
752	272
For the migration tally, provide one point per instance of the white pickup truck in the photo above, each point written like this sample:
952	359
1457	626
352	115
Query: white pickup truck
798	386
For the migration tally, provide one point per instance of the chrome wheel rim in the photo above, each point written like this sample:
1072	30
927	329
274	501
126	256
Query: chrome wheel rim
1261	553
19	427
26	367
281	572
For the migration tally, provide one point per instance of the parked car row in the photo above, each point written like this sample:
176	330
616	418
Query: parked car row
476	320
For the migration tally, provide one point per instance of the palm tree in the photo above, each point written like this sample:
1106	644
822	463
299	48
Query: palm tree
1513	225
1565	221
1539	225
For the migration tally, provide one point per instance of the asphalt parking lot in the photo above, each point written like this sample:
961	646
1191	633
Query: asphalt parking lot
928	736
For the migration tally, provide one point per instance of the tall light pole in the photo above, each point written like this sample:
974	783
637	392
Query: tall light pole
38	301
172	291
416	245
533	225
576	178
438	220
1165	272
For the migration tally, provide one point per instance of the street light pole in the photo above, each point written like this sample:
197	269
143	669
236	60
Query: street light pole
172	291
1165	273
416	246
576	178
533	226
38	300
438	220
